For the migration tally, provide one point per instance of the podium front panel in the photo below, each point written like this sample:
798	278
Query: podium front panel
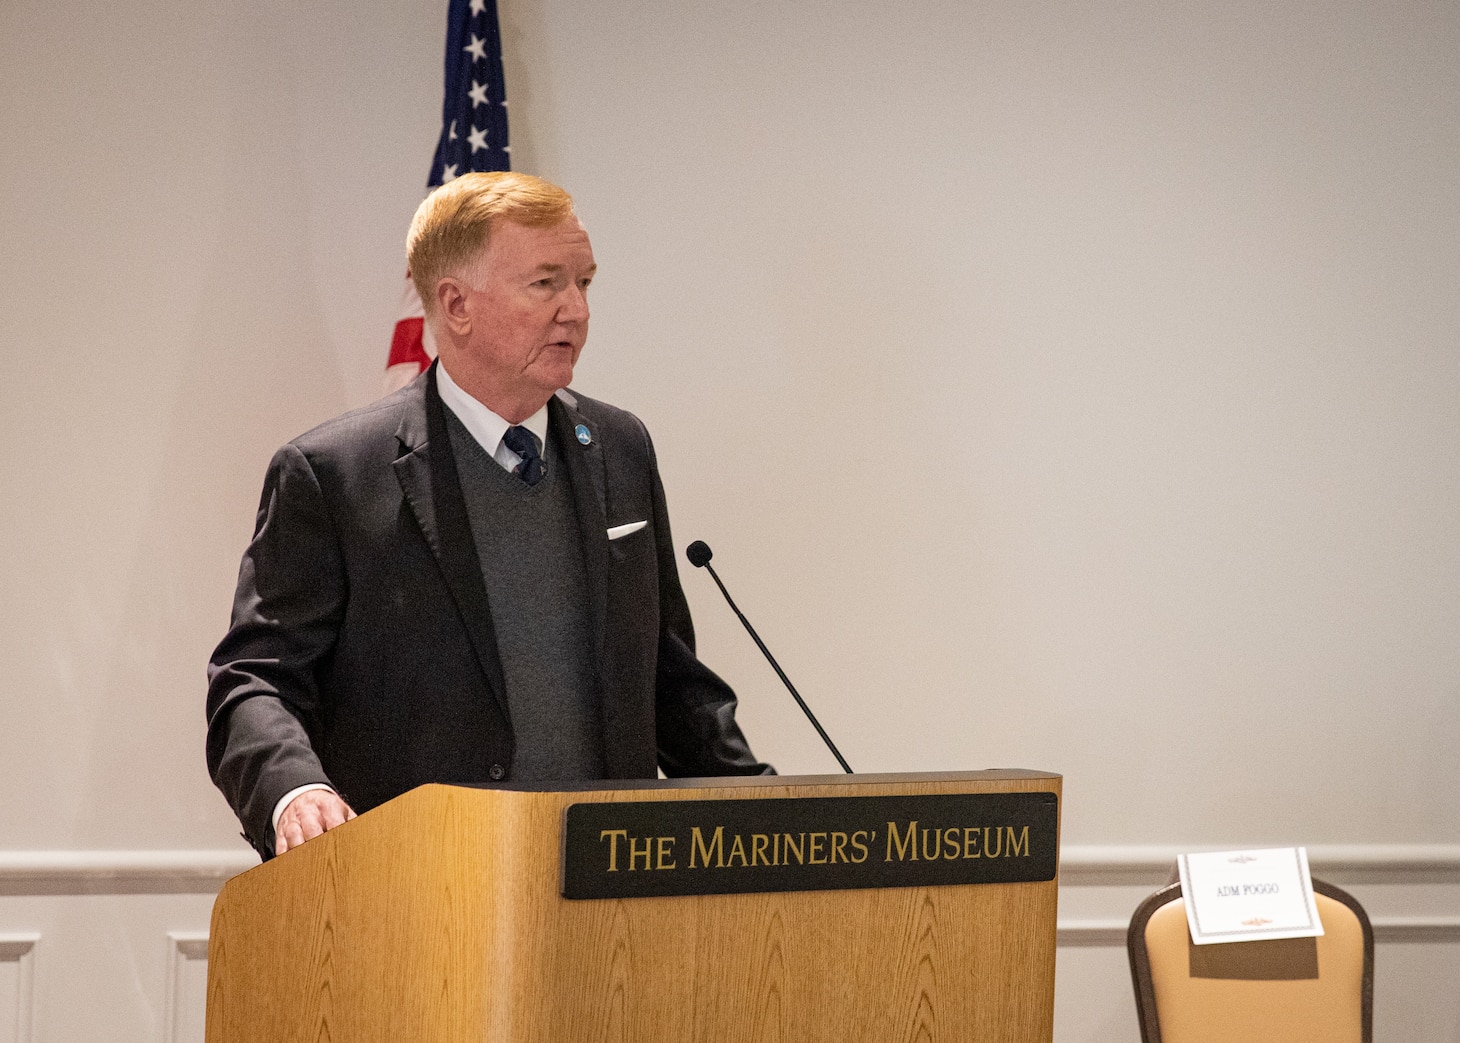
440	916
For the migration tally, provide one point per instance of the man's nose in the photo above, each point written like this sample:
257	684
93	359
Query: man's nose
574	306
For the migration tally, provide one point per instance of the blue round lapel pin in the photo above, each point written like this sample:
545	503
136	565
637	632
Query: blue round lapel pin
584	436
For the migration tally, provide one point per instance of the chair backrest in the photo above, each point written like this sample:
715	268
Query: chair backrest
1289	991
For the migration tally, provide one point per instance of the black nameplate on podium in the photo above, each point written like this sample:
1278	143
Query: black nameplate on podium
647	849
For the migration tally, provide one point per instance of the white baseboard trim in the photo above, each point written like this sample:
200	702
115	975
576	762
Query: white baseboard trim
1417	930
1090	934
1388	930
204	871
1096	865
119	872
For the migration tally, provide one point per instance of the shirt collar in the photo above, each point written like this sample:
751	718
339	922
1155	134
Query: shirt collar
483	424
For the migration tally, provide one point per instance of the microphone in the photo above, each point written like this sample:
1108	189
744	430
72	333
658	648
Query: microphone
699	555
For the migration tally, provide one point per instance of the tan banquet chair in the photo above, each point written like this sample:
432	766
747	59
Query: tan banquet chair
1298	990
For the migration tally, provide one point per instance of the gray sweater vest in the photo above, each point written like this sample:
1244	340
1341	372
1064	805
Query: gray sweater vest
529	544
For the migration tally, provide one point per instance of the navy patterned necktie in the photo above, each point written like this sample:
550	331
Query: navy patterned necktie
524	443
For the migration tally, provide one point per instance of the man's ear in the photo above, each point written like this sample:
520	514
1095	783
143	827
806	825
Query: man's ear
451	304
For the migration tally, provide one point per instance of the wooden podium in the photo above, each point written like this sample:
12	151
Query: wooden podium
440	916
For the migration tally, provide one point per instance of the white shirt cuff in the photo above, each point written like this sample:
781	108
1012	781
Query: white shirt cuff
286	798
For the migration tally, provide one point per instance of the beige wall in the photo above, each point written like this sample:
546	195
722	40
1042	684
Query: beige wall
1066	386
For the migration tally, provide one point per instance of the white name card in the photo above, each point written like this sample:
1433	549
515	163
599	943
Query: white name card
1241	896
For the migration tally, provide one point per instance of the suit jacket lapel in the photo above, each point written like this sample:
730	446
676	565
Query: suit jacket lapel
584	464
427	475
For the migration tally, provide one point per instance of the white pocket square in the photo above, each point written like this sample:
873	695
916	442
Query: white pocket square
618	532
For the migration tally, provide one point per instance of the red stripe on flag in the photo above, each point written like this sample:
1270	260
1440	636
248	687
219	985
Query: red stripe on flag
406	345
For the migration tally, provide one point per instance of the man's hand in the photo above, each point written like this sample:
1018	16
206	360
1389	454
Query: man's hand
307	816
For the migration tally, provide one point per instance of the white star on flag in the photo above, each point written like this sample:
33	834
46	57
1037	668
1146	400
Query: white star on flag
451	131
478	6
478	93
477	139
448	173
477	48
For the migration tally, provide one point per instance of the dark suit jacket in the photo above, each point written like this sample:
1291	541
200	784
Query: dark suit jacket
362	652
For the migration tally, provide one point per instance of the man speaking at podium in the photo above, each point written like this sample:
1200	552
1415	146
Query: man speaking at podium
471	580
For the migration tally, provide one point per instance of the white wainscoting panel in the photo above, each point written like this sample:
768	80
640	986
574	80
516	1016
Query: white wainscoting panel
187	986
17	987
101	974
106	917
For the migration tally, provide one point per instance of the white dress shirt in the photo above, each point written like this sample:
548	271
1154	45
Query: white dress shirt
485	426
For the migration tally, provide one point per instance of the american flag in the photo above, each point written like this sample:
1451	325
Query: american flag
473	137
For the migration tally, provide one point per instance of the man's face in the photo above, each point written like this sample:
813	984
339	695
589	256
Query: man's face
529	319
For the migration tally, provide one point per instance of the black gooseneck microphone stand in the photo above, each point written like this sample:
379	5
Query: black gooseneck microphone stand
699	555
